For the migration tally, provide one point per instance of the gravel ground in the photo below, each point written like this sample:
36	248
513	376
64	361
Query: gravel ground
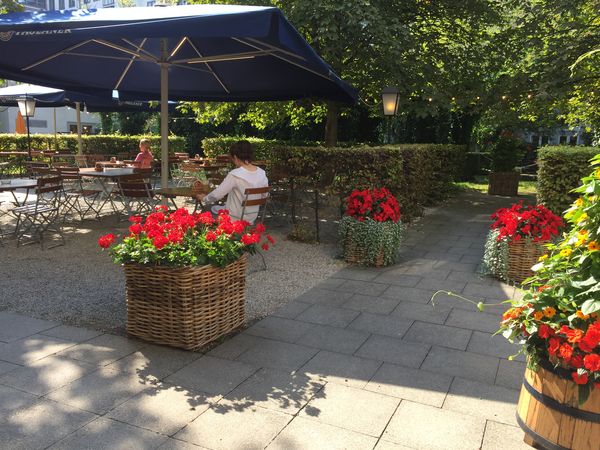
78	284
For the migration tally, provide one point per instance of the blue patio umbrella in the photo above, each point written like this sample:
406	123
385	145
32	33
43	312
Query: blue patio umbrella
46	97
195	52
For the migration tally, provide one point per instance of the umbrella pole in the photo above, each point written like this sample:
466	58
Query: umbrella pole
79	142
164	117
55	136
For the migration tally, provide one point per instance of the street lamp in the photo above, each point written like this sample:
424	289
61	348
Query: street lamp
27	109
390	97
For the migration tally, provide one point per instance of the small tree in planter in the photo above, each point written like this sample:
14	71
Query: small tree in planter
516	239
185	274
371	230
506	153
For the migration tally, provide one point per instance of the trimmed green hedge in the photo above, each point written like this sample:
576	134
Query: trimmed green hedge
560	169
418	174
96	143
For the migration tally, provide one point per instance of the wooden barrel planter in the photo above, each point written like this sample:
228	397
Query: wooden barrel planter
185	307
522	255
550	415
355	253
504	183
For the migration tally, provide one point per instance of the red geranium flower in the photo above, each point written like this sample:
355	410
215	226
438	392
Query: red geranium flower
592	362
377	204
136	228
160	241
579	379
106	240
211	236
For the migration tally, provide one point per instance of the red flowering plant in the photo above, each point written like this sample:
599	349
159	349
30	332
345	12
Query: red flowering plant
533	222
371	227
181	238
558	318
377	204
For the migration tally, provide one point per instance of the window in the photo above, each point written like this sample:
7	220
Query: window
544	140
61	4
108	3
573	140
36	123
150	3
562	140
71	3
51	5
535	140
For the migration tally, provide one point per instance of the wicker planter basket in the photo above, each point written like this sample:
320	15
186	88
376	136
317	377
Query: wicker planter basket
355	253
504	183
185	307
522	255
550	414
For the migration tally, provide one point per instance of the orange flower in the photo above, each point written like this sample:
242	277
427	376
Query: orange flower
511	314
544	287
538	315
581	315
593	246
549	312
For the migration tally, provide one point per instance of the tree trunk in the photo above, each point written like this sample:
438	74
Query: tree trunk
331	127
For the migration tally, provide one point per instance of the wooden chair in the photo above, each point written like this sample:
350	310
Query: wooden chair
37	169
41	216
256	198
136	192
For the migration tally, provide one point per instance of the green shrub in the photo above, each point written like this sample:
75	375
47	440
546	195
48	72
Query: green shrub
560	169
506	152
96	143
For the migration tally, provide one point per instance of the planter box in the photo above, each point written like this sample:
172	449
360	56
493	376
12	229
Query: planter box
504	183
185	307
380	252
522	255
550	415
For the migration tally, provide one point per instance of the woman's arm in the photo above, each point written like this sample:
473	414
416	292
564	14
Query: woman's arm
222	190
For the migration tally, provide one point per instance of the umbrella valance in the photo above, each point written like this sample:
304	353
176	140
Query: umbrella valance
213	53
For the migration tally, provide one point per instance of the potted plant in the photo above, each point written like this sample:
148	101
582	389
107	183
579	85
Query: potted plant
515	241
185	274
371	230
505	154
558	323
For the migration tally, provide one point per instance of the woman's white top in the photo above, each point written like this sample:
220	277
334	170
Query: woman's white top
234	186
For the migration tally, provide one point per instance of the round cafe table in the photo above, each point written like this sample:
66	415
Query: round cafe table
12	184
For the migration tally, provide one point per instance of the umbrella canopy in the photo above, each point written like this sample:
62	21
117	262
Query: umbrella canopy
213	53
46	97
195	52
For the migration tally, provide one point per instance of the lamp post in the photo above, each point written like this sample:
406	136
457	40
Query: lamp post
27	109
390	97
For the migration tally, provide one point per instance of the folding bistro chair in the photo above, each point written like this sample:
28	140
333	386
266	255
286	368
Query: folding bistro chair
136	192
37	169
74	192
255	200
43	215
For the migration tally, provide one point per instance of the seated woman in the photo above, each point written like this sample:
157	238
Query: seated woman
244	176
143	160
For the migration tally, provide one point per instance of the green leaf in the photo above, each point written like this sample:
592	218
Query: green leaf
590	306
584	393
589	282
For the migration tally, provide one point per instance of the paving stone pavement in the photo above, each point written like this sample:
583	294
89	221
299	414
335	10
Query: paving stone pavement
363	361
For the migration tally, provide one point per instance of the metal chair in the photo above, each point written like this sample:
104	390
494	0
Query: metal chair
37	169
74	192
41	216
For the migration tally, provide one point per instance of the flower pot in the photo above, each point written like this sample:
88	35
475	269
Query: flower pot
370	243
549	412
185	307
504	183
522	255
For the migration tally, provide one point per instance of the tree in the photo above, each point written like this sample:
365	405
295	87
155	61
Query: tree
7	6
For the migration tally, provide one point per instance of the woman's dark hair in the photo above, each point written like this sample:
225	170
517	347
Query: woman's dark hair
243	150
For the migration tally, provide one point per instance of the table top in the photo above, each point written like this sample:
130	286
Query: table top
181	191
107	173
18	183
